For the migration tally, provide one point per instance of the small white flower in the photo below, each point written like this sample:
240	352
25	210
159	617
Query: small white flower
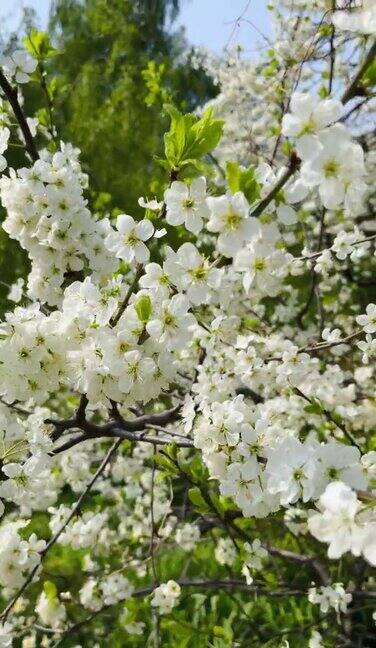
330	596
166	596
153	205
16	291
129	242
315	640
229	216
19	65
307	117
368	320
225	552
187	204
368	347
331	335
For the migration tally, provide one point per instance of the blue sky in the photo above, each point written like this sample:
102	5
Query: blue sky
213	22
208	22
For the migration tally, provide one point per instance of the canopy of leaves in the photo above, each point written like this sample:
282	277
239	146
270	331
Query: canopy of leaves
119	62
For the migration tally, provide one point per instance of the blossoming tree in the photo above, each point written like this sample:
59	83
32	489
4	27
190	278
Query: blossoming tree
188	449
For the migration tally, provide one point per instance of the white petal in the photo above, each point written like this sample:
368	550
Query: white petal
144	229
124	223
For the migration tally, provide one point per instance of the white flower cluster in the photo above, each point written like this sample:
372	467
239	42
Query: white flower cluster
166	596
264	467
26	464
361	18
331	160
110	590
81	533
247	331
47	214
18	66
18	557
330	596
345	523
187	536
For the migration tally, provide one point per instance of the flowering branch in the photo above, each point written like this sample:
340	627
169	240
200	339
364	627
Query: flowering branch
12	96
120	428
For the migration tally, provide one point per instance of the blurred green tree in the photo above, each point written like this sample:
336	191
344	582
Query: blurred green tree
120	61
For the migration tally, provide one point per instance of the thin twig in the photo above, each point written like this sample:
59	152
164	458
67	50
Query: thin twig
127	297
329	417
57	535
294	164
332	58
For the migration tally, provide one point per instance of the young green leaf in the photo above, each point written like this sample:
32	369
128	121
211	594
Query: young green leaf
143	308
39	45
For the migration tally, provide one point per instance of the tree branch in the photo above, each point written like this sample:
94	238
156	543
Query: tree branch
127	297
12	96
293	166
354	89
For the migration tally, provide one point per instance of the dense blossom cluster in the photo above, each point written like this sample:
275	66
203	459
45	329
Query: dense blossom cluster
242	344
47	214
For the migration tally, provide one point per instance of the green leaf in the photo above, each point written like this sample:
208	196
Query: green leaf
175	139
314	407
207	132
50	590
243	180
43	117
39	45
196	498
233	176
153	76
143	308
171	449
190	138
323	92
165	463
369	77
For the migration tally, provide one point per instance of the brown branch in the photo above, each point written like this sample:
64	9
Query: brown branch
293	166
131	289
12	96
314	255
118	428
355	89
332	52
320	346
115	432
